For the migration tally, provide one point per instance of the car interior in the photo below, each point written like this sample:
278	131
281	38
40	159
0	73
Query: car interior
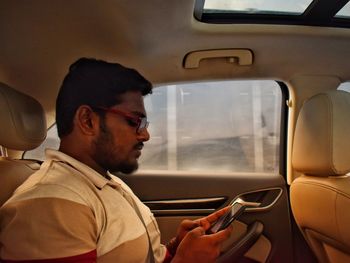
250	106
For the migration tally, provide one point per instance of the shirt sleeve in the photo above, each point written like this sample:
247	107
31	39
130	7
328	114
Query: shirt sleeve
49	229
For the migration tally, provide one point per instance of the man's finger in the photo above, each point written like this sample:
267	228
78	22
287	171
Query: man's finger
198	231
221	235
216	215
189	224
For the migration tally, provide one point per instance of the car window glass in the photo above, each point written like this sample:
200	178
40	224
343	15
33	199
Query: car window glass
344	86
51	141
224	126
295	7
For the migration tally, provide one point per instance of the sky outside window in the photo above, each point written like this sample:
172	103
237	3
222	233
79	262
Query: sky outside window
258	6
344	12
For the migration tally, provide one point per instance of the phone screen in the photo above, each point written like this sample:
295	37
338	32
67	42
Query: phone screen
224	221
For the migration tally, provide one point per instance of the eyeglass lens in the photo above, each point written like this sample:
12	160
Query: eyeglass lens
143	124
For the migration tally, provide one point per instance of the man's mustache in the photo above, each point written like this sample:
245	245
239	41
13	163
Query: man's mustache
139	146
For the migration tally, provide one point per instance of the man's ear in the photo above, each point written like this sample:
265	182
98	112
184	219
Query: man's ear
87	120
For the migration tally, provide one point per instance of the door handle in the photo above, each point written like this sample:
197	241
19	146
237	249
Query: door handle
243	57
266	198
247	204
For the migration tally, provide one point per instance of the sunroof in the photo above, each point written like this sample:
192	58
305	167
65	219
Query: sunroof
344	12
288	7
328	13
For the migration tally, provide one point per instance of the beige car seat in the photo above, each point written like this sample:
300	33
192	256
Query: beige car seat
23	127
320	198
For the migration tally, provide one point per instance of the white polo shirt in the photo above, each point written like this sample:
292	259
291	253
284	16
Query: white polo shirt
68	210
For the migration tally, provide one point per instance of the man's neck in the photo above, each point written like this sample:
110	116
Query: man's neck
82	156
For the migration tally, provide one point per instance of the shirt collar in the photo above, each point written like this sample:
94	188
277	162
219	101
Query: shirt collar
96	178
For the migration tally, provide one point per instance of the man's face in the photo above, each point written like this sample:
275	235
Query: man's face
118	145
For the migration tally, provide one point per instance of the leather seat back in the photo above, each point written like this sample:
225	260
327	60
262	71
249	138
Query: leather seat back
23	127
320	198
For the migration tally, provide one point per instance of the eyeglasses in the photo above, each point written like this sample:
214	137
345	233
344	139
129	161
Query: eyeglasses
140	123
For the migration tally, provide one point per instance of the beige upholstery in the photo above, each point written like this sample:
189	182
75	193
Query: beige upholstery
320	198
22	119
23	127
13	173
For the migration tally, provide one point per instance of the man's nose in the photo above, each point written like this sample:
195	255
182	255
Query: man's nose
143	135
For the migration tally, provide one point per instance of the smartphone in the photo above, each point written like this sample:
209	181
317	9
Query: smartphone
224	221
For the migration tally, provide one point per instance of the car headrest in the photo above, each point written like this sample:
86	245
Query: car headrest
22	120
321	145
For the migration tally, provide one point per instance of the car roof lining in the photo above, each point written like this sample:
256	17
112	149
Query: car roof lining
40	39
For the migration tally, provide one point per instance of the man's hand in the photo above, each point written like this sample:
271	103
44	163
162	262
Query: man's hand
187	225
205	222
196	246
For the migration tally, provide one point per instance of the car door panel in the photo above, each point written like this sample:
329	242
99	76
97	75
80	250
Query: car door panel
179	195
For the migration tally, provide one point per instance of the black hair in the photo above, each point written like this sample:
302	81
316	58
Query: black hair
96	83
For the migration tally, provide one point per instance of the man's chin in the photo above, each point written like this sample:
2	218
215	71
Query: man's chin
126	168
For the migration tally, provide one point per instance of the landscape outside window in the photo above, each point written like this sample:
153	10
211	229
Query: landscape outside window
227	126
224	126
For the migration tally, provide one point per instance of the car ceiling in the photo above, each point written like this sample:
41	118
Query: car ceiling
40	39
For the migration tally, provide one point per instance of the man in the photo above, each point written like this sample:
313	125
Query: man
73	209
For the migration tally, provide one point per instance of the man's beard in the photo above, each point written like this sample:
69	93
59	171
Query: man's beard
106	155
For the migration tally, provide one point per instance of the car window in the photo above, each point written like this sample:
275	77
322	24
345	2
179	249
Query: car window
227	126
224	126
51	141
344	86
